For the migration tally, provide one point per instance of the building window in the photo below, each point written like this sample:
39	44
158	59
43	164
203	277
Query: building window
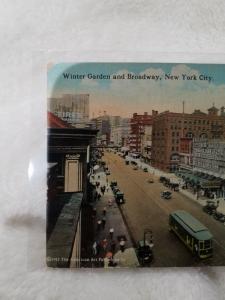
203	135
189	135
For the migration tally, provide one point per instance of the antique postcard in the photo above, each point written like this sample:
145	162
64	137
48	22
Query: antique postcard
136	165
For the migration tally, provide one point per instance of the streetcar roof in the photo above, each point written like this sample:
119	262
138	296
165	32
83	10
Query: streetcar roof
192	225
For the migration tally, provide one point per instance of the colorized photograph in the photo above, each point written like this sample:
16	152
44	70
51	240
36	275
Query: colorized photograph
136	165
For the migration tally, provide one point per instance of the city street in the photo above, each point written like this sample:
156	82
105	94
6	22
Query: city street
144	208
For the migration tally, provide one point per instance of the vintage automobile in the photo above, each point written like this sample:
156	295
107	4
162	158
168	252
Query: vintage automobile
113	183
127	162
119	196
219	216
162	179
166	195
145	169
174	186
210	207
107	172
144	253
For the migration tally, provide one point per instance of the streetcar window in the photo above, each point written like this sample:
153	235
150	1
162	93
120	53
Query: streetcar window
207	244
201	245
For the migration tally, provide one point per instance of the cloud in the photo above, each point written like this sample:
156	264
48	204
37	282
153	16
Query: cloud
124	97
145	95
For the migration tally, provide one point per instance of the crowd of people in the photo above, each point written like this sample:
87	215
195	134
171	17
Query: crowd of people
105	244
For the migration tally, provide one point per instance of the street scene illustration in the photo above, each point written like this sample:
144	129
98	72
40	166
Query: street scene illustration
136	165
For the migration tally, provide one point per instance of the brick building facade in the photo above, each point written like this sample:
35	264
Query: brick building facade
169	128
137	123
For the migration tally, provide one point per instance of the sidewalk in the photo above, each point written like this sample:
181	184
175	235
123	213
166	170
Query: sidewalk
114	220
190	195
151	169
203	200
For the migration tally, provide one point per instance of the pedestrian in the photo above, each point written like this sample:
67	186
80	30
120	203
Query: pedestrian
104	211
110	202
113	246
99	223
103	189
103	222
99	196
111	231
94	248
122	245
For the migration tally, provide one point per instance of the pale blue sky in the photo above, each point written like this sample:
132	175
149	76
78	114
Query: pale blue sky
128	96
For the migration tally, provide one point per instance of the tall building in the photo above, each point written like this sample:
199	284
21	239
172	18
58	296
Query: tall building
169	128
137	124
146	142
120	132
209	161
102	124
209	157
72	108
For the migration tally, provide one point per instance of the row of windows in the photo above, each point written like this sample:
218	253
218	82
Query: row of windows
175	141
189	128
174	133
196	122
174	148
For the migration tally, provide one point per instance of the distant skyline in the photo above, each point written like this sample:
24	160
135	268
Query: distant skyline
125	96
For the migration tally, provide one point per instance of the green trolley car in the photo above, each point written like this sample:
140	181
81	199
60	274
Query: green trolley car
192	233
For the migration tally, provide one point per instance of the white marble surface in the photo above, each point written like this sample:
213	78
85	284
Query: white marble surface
119	30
